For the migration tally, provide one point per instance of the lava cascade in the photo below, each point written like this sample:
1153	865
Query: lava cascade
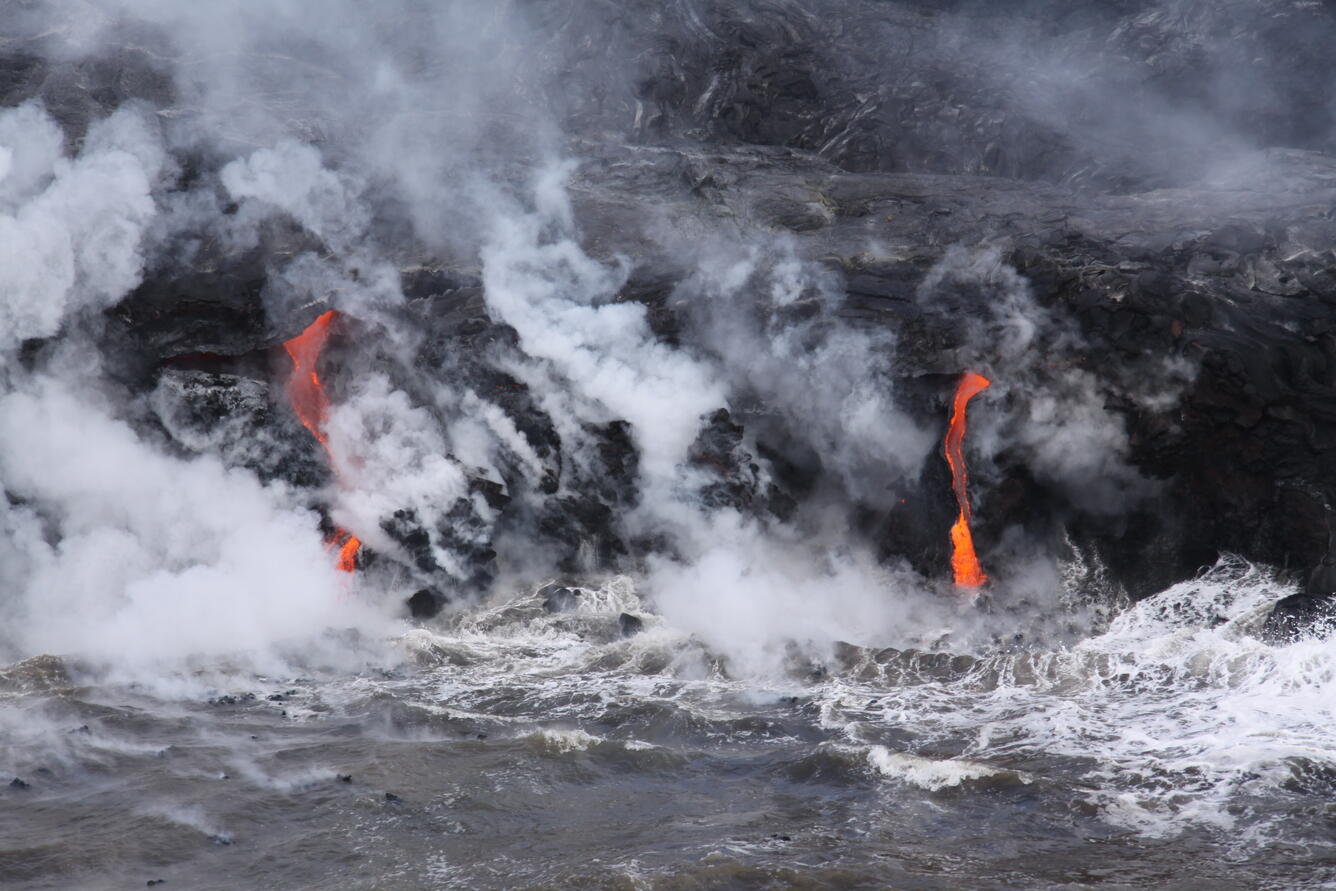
348	546
964	562
309	401
304	389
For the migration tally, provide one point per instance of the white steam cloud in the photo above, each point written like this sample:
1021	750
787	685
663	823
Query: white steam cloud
130	558
70	228
557	298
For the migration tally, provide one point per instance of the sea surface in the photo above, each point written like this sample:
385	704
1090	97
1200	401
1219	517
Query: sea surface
509	746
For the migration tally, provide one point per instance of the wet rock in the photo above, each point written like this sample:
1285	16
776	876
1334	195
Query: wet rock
513	398
630	625
461	531
426	603
737	478
579	522
1299	614
404	528
236	417
559	598
1309	777
581	527
35	674
467	534
1322	580
17	783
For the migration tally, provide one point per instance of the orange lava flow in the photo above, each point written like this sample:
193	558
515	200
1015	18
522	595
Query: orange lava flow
348	554
964	563
309	401
304	389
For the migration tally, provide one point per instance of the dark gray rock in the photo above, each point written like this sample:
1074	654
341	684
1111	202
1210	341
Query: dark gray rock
239	418
559	598
736	478
206	298
426	603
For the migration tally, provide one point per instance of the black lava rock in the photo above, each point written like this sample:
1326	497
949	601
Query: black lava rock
559	598
426	603
630	624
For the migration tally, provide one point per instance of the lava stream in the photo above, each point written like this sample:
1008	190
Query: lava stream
304	389
964	563
312	406
348	546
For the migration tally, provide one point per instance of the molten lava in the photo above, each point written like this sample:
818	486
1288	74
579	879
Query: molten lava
312	407
304	389
964	563
348	546
348	554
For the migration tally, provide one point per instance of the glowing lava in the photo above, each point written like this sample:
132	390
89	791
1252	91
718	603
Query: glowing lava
312	407
304	389
964	563
348	554
348	546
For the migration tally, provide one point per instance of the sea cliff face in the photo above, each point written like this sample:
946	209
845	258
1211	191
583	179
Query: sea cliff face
809	218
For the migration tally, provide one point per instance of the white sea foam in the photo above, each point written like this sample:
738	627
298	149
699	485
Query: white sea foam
928	773
1173	714
564	741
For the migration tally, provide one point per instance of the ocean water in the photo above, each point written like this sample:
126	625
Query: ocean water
505	746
